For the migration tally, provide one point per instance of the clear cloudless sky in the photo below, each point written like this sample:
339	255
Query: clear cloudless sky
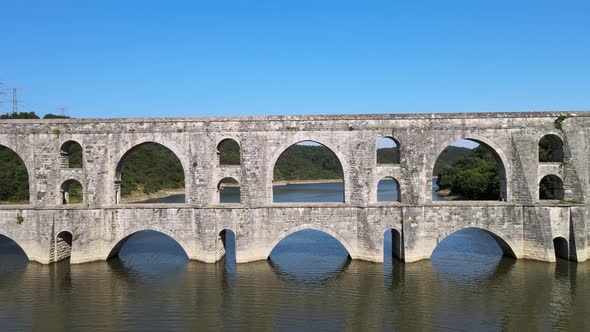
198	58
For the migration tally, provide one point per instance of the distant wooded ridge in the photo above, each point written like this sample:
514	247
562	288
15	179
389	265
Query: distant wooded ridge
31	115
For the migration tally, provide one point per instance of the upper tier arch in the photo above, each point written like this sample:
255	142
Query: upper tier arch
504	166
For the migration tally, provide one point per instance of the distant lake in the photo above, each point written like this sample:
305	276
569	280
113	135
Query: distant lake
307	192
308	284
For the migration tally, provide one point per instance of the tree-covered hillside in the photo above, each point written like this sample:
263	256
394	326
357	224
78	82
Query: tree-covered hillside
30	115
14	180
150	168
388	155
449	156
307	162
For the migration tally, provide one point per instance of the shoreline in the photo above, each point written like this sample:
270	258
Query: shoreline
447	195
140	197
137	198
318	181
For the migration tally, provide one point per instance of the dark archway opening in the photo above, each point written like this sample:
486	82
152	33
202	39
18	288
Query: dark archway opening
227	249
551	188
550	149
561	247
308	172
228	151
388	151
229	191
393	246
71	192
388	190
61	248
14	178
13	259
71	155
469	170
309	255
150	173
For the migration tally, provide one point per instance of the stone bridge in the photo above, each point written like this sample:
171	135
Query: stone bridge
525	226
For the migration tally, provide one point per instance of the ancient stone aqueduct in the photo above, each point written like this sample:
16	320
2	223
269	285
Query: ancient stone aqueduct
523	225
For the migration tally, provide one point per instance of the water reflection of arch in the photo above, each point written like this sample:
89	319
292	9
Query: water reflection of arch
286	144
505	243
502	162
284	234
328	279
488	269
120	242
26	161
129	148
335	265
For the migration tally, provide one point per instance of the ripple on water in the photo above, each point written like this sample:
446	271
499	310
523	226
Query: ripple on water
309	284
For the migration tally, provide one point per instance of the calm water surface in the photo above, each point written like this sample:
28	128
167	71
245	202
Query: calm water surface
308	284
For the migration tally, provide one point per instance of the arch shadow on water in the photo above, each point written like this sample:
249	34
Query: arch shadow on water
472	255
309	257
13	259
149	256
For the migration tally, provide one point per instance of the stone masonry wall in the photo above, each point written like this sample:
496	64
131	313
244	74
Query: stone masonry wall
525	223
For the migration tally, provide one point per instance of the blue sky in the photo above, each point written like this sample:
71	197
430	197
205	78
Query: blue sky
154	59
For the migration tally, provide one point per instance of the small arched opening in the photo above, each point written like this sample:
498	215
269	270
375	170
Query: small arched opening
551	188
71	192
71	155
393	246
228	151
229	191
227	247
149	173
469	169
308	172
14	178
388	190
550	149
61	248
388	151
561	247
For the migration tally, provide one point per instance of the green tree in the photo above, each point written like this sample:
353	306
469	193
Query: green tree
20	115
14	179
150	168
307	162
472	176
